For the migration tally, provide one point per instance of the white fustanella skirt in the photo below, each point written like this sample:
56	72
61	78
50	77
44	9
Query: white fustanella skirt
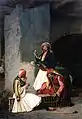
26	103
40	79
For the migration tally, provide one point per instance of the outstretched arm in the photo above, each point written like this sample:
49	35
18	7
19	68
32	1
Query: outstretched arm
61	83
36	55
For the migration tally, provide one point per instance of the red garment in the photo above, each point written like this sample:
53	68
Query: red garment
57	87
46	90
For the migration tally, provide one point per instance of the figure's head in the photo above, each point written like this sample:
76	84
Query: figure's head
51	73
45	46
22	73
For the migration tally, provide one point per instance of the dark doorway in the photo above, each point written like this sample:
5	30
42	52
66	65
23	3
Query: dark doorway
68	52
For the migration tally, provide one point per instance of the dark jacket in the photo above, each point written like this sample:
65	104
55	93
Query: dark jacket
49	60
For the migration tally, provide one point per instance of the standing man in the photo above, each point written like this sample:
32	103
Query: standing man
45	61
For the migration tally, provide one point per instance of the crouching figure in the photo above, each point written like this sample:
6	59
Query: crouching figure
57	88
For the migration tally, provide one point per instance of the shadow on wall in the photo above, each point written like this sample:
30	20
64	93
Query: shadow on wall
68	51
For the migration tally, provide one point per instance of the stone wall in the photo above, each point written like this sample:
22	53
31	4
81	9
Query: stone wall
25	30
0	42
63	24
12	42
1	32
35	28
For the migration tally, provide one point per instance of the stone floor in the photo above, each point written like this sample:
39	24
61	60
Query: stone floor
74	112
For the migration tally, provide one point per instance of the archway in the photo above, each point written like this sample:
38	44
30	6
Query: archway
68	51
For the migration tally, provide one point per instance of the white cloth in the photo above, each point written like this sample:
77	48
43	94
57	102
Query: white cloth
27	102
40	79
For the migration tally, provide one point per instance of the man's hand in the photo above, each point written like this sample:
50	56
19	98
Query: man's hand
35	53
18	99
27	84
